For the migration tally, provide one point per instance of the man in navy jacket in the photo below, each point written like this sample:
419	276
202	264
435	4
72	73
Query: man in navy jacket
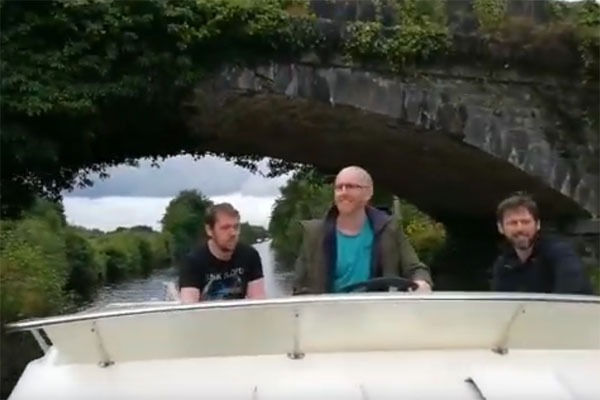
533	262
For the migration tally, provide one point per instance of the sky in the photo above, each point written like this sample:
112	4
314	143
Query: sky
139	195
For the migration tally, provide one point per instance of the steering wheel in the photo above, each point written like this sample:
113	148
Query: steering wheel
385	284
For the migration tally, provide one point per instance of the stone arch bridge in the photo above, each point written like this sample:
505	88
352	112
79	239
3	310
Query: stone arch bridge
454	138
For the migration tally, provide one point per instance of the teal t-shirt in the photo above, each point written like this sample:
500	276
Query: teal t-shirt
353	260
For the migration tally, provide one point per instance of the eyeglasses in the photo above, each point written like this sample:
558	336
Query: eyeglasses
349	186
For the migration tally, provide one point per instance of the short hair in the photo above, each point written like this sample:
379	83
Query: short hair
364	176
517	200
213	211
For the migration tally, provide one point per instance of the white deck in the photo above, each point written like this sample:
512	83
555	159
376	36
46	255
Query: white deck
384	346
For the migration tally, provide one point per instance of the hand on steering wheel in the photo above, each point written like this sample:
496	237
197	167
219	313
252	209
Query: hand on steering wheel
385	284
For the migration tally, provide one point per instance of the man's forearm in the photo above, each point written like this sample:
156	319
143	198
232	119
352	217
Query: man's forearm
189	295
256	289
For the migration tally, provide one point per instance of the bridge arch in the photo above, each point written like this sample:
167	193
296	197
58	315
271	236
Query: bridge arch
448	143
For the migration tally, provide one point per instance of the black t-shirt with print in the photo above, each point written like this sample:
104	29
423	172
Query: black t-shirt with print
217	279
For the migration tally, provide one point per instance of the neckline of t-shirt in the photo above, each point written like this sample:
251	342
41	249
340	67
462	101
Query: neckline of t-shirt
362	228
235	252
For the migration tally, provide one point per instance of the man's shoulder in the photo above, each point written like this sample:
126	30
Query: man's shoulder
195	258
312	223
380	218
552	244
197	252
246	250
313	227
506	257
502	262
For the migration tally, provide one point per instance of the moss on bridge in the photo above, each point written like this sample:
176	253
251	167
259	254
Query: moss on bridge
561	38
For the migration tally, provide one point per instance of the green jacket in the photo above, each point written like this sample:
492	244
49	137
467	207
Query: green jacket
392	254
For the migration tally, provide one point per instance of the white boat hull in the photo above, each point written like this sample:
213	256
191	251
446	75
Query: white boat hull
439	346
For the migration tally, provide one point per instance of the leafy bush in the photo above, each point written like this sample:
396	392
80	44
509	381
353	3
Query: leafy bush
32	269
85	265
426	235
303	197
250	234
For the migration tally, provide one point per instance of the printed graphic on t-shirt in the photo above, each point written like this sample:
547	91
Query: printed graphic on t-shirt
228	285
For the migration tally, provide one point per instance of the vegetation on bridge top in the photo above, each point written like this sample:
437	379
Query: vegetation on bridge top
87	84
485	34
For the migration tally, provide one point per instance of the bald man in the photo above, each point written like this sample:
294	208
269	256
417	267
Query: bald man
354	242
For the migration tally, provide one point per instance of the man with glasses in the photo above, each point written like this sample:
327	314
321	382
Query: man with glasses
354	242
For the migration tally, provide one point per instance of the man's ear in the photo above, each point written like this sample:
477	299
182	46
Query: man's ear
500	229
207	230
370	194
538	225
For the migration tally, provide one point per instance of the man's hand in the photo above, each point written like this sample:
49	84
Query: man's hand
423	287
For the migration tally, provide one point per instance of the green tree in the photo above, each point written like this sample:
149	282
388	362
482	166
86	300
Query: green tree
184	221
84	263
250	234
77	76
425	234
159	242
53	213
124	255
33	268
305	196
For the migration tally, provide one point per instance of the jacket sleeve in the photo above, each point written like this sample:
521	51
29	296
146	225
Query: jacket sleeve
569	273
300	285
410	265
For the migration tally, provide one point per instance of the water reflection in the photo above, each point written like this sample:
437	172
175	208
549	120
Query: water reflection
277	283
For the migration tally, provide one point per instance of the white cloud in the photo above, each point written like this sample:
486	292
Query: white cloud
108	213
257	185
211	175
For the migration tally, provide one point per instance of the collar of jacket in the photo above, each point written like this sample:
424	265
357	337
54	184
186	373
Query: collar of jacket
378	219
511	258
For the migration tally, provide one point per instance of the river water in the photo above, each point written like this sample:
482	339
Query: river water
154	287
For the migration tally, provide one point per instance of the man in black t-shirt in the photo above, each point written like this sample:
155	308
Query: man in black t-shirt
221	268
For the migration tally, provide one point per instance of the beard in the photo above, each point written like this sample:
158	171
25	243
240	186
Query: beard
227	246
521	241
347	206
